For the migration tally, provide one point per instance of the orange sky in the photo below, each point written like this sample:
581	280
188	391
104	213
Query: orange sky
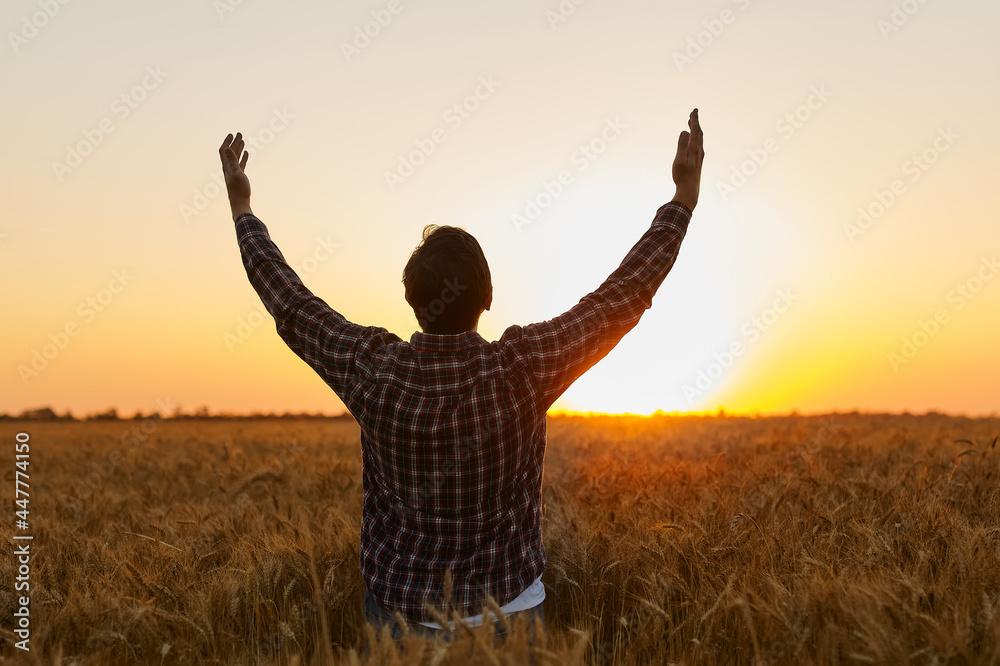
123	282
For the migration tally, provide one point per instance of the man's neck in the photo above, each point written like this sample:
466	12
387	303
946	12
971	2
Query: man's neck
474	329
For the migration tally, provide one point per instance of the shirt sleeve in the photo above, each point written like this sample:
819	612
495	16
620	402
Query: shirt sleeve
332	346
560	350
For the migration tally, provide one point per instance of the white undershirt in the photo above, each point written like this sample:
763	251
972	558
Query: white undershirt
533	595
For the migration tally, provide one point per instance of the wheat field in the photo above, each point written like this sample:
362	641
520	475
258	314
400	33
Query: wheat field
838	539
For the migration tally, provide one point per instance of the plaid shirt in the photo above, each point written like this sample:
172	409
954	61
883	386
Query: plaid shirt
453	426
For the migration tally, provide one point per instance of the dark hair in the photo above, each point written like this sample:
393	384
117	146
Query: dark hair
447	280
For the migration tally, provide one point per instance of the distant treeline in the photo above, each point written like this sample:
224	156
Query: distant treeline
48	414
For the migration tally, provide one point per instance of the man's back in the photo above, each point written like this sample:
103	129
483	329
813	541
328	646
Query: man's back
453	438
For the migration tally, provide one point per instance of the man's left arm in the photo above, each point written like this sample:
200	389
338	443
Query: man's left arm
317	333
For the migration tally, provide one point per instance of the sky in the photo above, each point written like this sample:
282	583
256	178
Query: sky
843	254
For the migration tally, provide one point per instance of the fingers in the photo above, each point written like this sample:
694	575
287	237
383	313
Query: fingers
238	144
697	136
238	150
231	150
228	155
691	143
225	146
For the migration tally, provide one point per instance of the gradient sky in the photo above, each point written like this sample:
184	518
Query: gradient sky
771	262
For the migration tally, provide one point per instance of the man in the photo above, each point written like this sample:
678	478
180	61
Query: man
453	426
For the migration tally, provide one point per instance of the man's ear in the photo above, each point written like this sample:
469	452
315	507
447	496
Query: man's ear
489	300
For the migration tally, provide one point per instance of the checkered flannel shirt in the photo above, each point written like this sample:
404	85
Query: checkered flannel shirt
453	426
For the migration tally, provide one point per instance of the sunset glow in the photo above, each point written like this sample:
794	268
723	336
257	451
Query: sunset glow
843	255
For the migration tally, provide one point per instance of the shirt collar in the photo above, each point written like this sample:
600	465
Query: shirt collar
454	342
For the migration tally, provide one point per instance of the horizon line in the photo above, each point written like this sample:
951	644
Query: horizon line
46	413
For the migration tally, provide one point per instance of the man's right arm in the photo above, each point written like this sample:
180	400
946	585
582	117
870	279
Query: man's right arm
563	348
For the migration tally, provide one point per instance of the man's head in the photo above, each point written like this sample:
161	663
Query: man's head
447	281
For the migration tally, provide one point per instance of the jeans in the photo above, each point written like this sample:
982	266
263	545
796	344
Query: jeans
376	617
